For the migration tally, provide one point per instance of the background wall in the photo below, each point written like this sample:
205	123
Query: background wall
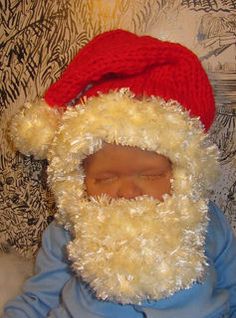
39	38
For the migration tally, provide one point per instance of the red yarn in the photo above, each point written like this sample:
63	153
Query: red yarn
146	65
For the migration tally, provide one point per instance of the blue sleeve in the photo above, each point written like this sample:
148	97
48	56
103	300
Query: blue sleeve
42	291
224	254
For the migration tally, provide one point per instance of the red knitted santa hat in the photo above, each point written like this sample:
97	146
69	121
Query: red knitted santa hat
146	65
112	61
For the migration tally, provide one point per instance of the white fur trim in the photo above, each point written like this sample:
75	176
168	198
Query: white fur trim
131	250
33	129
150	123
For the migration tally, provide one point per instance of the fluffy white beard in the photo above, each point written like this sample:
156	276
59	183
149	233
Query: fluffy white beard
131	250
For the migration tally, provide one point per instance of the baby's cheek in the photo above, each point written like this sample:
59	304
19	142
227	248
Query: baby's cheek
157	188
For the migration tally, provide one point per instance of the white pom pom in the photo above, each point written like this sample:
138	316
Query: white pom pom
33	129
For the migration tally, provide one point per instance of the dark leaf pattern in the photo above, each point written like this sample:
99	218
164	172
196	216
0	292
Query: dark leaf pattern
38	39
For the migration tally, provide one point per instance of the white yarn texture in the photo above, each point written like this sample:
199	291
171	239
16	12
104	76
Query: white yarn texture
133	250
142	249
33	128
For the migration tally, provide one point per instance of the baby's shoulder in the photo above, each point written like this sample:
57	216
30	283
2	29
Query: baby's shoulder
56	235
219	232
218	222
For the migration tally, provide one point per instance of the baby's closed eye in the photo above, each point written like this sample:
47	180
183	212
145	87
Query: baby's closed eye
152	175
105	178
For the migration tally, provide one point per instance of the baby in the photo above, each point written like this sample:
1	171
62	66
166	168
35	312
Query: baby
130	165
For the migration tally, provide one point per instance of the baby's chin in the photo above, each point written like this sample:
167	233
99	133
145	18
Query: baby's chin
105	198
132	250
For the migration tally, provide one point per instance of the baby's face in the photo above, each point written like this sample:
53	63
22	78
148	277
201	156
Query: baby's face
127	172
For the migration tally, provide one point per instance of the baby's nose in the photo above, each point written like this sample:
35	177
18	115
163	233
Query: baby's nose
128	189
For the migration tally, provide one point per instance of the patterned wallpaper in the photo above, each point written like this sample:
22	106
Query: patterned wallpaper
39	38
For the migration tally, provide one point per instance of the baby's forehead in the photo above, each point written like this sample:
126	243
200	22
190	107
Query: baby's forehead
124	158
114	149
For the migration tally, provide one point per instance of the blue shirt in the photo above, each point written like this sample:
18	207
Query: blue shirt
56	292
